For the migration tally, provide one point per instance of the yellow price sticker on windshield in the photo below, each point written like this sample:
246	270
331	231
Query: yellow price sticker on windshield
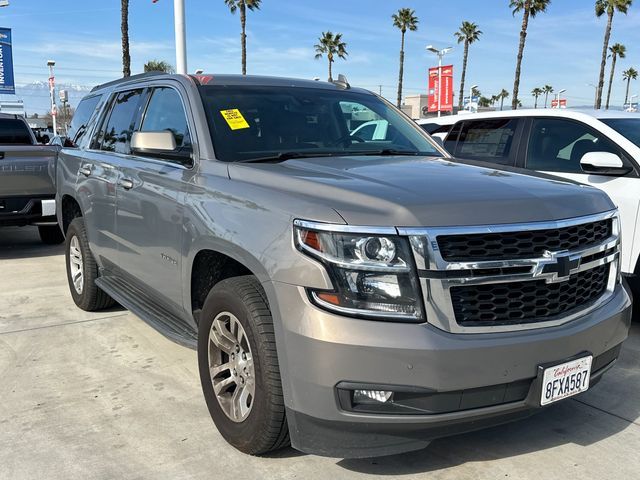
234	119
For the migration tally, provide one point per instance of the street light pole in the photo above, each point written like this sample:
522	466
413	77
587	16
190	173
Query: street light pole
181	36
558	97
52	94
440	54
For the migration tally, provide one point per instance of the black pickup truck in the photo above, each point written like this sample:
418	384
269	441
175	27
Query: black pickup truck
27	193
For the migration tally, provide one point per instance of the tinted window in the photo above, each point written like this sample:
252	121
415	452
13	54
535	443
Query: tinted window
14	132
116	133
490	140
558	145
263	121
627	127
452	138
165	112
80	120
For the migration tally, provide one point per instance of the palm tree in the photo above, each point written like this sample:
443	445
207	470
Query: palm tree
529	9
628	75
243	5
332	46
467	34
617	51
158	66
405	20
547	89
609	7
484	102
501	96
536	92
124	28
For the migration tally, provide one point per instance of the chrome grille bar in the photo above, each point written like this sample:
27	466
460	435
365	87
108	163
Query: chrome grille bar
438	276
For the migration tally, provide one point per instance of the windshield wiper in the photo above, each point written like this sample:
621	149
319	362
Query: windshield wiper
285	156
386	152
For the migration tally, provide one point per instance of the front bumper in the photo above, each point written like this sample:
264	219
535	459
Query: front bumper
488	378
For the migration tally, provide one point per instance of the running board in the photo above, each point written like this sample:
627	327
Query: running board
134	300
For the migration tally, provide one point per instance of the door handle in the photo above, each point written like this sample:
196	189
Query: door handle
85	170
126	183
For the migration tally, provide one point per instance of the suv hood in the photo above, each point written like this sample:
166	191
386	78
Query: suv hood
422	191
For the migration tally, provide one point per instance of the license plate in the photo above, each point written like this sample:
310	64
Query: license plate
565	380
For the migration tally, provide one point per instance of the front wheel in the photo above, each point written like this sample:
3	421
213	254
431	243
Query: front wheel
239	369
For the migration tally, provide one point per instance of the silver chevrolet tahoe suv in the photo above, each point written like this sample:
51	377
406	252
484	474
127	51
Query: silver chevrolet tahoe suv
349	297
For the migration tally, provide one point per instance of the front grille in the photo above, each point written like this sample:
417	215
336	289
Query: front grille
528	301
523	244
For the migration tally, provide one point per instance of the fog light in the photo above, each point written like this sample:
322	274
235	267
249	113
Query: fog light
371	396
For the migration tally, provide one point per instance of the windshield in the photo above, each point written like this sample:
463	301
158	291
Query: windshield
627	127
262	122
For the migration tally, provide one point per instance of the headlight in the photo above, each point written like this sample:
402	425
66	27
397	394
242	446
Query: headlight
372	274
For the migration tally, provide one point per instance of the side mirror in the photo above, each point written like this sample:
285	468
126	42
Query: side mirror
153	142
603	163
161	145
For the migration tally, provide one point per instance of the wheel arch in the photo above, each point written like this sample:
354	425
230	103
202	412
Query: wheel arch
69	209
210	264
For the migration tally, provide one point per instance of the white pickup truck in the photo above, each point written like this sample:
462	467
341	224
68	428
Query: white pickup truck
597	148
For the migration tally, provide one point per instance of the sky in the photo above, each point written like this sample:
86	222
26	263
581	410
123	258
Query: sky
563	45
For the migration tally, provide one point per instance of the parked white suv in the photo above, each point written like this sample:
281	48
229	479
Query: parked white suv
598	148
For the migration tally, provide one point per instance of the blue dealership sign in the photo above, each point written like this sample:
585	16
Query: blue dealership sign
7	83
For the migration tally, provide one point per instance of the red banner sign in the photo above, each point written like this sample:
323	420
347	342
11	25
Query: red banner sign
446	99
554	103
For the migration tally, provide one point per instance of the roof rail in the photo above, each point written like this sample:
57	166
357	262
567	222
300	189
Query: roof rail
127	79
341	82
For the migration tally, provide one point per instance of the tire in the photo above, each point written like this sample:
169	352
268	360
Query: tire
51	234
264	429
86	293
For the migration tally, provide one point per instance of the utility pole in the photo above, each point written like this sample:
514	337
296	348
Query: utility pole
52	94
181	36
64	98
380	89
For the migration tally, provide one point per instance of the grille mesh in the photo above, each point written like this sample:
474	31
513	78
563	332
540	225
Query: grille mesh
526	302
524	244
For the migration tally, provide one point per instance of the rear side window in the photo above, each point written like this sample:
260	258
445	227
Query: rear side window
115	135
165	112
14	132
489	140
80	121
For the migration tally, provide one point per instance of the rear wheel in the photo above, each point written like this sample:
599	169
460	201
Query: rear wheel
239	369
82	270
51	234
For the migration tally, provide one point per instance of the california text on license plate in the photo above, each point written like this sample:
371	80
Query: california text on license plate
565	380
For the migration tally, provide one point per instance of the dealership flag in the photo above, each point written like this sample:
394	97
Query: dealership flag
7	84
446	103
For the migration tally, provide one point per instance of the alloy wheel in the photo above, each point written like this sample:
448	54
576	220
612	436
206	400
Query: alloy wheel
231	366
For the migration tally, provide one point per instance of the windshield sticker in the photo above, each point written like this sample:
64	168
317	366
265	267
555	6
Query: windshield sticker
234	119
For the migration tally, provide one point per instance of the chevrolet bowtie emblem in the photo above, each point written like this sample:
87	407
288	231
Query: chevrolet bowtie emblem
561	265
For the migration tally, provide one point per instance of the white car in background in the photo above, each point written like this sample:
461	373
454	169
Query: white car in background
597	148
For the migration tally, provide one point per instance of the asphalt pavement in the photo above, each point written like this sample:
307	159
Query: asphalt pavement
104	396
